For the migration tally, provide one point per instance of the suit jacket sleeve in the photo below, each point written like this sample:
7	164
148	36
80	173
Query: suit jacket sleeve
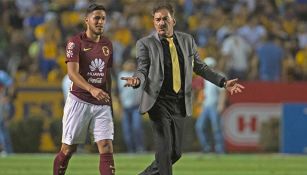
200	68
143	62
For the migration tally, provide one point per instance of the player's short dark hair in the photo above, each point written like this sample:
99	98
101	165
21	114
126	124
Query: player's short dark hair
94	7
163	5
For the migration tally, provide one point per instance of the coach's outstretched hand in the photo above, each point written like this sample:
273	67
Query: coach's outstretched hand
233	87
131	81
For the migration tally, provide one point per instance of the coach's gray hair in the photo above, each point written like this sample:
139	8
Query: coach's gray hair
163	5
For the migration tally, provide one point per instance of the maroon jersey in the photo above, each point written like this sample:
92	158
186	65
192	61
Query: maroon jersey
94	61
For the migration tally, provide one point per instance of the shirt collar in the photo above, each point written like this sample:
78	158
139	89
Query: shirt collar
88	39
161	38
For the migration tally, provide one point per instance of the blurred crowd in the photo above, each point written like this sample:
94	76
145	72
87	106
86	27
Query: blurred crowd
253	40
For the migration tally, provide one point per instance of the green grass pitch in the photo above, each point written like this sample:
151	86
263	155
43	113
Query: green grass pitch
189	164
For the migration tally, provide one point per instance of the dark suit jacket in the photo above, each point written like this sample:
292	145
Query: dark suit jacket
150	69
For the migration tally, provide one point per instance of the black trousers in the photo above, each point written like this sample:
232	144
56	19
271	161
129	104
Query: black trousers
167	118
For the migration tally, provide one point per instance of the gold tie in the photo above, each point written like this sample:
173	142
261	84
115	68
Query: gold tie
175	65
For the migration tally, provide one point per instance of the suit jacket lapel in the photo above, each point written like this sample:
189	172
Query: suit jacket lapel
160	50
183	50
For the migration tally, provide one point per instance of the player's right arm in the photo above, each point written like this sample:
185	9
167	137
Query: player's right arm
77	79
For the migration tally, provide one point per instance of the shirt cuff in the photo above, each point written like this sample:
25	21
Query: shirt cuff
223	83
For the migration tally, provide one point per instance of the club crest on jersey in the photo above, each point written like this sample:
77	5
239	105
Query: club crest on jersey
97	63
105	51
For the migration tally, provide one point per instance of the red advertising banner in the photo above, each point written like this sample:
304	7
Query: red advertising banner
259	102
242	124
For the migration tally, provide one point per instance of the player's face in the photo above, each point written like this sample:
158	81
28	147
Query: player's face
164	23
95	21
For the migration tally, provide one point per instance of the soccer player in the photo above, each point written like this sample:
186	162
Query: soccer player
89	58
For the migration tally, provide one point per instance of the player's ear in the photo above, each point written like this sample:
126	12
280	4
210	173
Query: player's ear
174	21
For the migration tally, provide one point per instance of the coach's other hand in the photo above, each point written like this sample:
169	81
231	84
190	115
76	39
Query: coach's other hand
233	87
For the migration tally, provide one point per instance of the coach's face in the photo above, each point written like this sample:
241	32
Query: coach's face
95	21
164	23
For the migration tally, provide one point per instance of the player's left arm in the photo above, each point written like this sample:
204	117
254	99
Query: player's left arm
109	87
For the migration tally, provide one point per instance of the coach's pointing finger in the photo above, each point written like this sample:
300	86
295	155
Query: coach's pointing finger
131	81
